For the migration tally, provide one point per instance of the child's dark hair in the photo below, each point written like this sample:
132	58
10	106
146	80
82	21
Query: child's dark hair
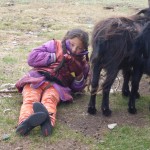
82	35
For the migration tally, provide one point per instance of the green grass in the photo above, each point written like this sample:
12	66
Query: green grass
127	138
9	114
9	60
123	137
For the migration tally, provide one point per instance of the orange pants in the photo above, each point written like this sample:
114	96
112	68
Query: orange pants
45	94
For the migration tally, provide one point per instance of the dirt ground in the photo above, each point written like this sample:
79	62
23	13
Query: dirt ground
78	119
94	125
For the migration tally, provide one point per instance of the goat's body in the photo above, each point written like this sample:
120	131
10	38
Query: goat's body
112	42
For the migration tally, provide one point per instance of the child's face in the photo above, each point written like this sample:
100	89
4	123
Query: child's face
76	45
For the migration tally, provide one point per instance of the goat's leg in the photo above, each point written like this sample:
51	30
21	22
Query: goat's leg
106	90
147	66
126	79
125	88
94	85
136	77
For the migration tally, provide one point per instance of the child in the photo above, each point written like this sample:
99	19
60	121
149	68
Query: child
59	68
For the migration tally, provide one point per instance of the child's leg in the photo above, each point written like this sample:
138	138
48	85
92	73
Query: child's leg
50	99
30	96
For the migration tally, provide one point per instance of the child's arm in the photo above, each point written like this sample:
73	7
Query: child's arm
79	82
43	56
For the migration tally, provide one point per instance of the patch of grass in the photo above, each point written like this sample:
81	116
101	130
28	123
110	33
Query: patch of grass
9	111
9	60
129	3
2	78
58	34
5	25
10	108
127	138
66	133
122	137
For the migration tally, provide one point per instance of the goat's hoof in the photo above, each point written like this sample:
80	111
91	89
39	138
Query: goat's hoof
106	112
137	95
92	110
132	110
125	93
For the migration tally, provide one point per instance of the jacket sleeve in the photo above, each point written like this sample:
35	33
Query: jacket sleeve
43	56
80	85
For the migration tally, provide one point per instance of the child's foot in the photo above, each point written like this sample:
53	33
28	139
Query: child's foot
46	126
34	120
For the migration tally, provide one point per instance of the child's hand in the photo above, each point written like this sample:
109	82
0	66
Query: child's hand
67	57
78	78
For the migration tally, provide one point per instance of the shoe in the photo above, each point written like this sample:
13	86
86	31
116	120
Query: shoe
46	126
34	120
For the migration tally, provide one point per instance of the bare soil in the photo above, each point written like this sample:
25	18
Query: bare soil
96	125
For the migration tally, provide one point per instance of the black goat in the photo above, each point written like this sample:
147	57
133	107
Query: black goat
113	50
142	60
142	50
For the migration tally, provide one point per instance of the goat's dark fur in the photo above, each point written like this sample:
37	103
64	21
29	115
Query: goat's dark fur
113	50
141	60
142	49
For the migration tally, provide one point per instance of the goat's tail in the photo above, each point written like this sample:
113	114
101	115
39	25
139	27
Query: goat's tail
97	52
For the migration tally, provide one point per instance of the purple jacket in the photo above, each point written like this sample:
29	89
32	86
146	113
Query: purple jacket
46	58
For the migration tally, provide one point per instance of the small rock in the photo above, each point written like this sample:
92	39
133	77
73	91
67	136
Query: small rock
11	3
8	86
108	7
19	148
101	141
111	126
14	43
5	137
112	91
6	110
